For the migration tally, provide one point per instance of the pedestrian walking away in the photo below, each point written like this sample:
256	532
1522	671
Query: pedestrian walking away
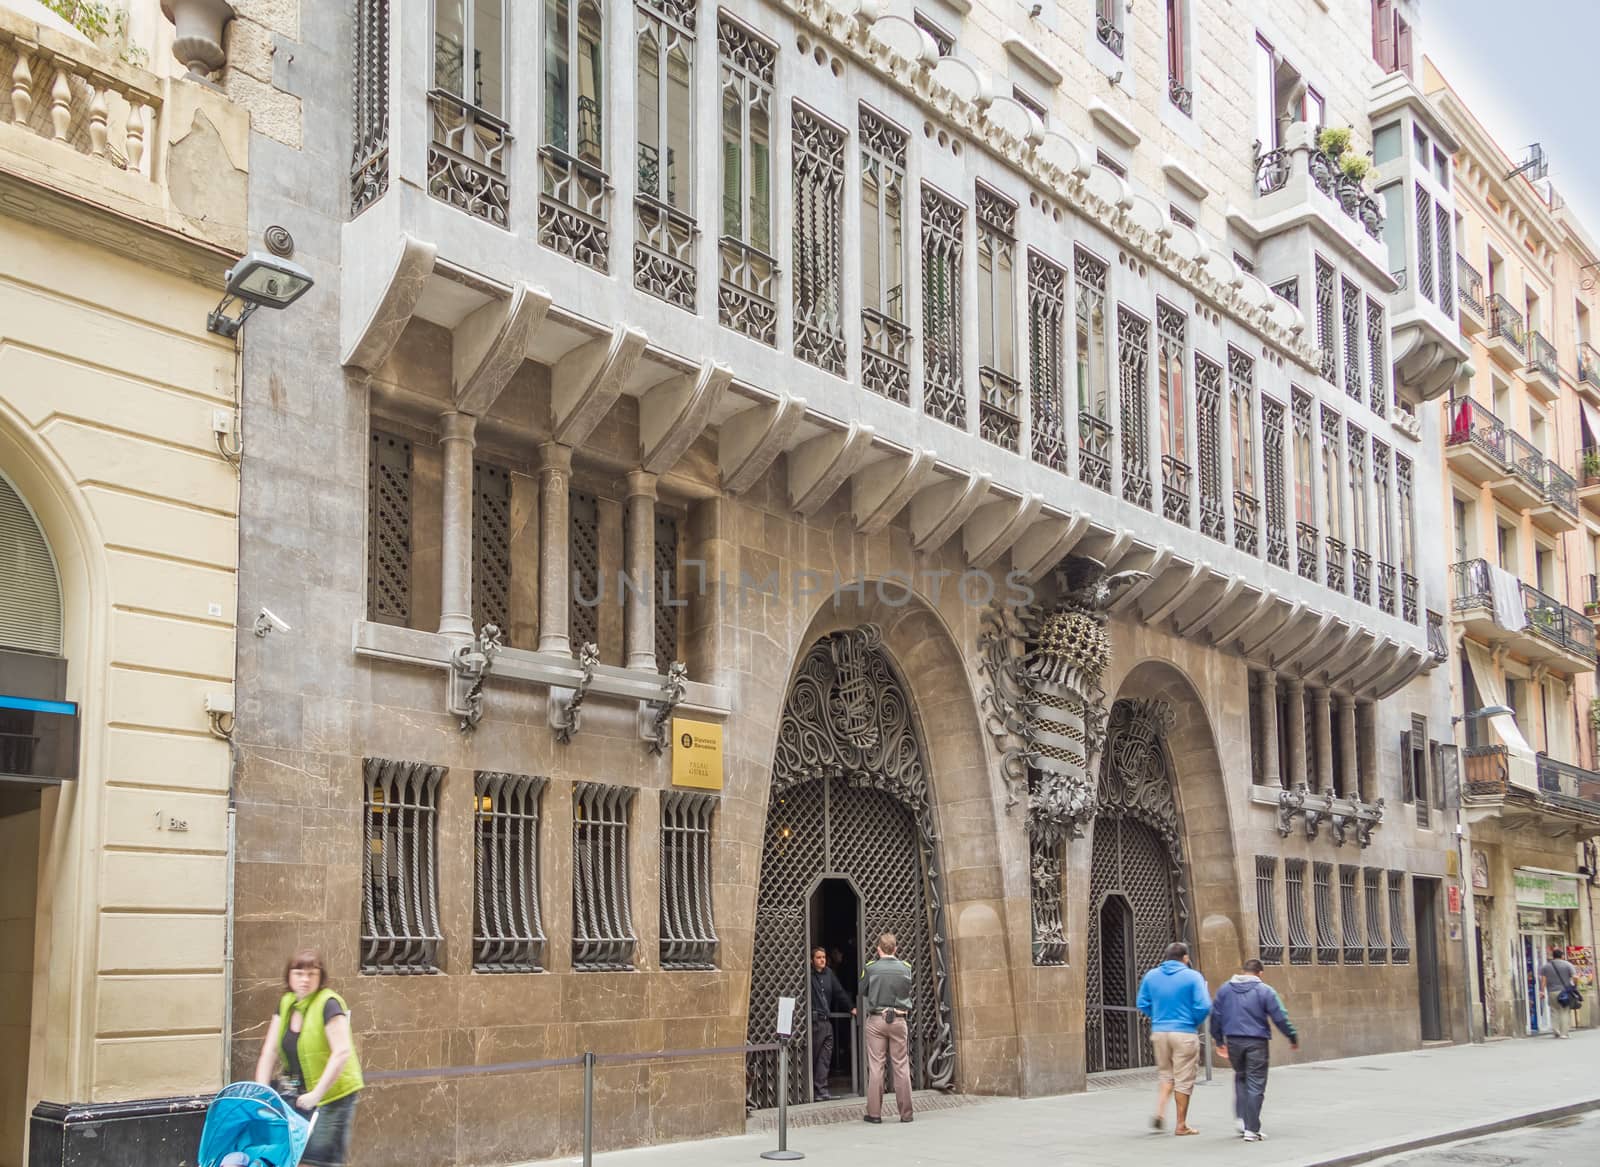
1556	977
886	997
1174	997
1242	1015
827	996
310	1037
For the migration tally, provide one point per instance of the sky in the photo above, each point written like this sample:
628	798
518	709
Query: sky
1530	72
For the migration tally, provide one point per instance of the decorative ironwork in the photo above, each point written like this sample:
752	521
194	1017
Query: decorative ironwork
688	933
1327	325
1049	915
1386	590
369	160
1425	244
1172	379
667	606
1294	883
746	295
1181	96
999	416
748	274
664	253
1047	310
1272	169
1306	550
1377	950
1352	338
389	530
1175	489
566	706
1355	949
665	233
1208	441
673	689
1246	506
491	546
1089	314
470	665
467	158
1094	451
943	394
1288	289
1377	361
583	545
1268	944
572	208
886	356
1361	575
1133	360
886	338
602	908
1273	488
1105	28
1542	356
507	929
1399	943
1333	551
818	241
1246	512
850	796
1505	322
400	930
1327	923
1442	233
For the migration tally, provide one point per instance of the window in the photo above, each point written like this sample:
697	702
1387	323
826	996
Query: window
507	930
664	254
30	595
944	394
665	592
1414	766
369	163
1332	476
1171	397
583	543
1093	370
1270	946
886	347
998	417
572	206
1424	242
818	241
1356	457
1031	103
746	296
1354	334
1133	362
1266	104
1380	491
1327	922
1327	328
1377	362
389	530
1294	881
1111	164
1355	950
1399	944
1273	487
1208	446
1377	950
1179	91
1241	376
400	867
472	30
1108	24
491	547
1304	472
1247	266
1408	518
1180	216
1047	290
602	911
1315	110
944	42
688	935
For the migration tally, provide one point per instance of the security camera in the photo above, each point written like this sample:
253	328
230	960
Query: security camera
267	620
1033	12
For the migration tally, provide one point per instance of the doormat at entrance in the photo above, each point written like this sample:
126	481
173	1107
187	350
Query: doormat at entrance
850	1110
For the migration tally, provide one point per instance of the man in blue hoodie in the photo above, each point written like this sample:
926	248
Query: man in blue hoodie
1174	997
1239	1026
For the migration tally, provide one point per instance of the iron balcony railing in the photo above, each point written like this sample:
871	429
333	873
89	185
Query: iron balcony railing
1560	488
1175	489
1589	466
1181	96
1506	323
1108	32
1469	586
1361	575
1485	771
1542	356
1410	609
1246	536
1470	283
1471	423
1437	644
1306	540
1568	785
1591	591
1552	620
1386	587
1334	558
1524	461
1588	363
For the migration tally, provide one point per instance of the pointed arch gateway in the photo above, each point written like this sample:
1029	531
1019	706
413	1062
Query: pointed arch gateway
850	800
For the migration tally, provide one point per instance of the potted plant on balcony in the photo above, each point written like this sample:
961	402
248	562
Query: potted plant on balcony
1353	171
1591	467
1332	143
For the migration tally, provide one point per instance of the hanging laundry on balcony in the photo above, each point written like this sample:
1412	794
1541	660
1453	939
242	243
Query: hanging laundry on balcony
1507	593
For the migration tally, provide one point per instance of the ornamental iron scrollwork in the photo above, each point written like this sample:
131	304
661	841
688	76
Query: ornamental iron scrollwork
469	668
672	691
566	706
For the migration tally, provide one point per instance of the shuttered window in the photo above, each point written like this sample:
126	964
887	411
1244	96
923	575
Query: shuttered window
30	590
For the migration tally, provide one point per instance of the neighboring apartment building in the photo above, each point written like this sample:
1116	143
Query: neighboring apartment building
122	196
828	326
1523	484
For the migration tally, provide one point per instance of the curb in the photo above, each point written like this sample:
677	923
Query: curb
1531	1118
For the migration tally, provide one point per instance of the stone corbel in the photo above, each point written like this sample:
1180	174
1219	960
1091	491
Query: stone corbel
1291	614
1230	592
369	335
994	527
1263	602
469	668
1314	815
586	382
750	441
489	346
1290	804
1198	571
674	413
939	510
880	490
1153	571
566	705
1338	824
1367	816
655	717
819	467
1044	544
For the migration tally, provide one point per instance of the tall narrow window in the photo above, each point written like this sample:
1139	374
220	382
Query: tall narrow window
1424	242
818	241
1327	921
572	203
943	392
667	605
1408	539
999	411
1108	24
1384	511
1208	446
1241	413
507	929
1333	479
1354	333
1383	33
1094	373
1265	98
491	547
746	290
1172	394
1377	361
1399	943
1447	255
1305	495
1179	90
664	247
389	530
1133	365
1355	948
1294	882
466	156
1272	489
1356	478
1377	949
1327	321
885	334
688	934
400	930
1047	313
602	908
584	594
1270	944
369	161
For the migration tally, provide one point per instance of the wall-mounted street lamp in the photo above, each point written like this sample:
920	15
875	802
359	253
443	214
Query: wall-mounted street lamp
258	280
1486	711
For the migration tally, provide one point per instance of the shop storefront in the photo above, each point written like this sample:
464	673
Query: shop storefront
1547	906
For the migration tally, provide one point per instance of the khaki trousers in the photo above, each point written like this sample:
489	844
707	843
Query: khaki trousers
888	1038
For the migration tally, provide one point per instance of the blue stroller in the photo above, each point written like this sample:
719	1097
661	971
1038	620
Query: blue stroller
250	1125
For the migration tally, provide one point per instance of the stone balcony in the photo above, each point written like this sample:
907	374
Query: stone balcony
1505	338
1543	372
1473	313
1538	627
1564	800
1588	365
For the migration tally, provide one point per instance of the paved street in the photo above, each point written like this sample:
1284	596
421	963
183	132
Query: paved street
1319	1113
1565	1142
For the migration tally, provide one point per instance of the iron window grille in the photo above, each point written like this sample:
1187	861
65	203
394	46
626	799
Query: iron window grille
688	934
1307	538
1208	447
1108	24
944	394
944	42
1377	950
886	337
1399	942
1327	921
1442	233
818	241
369	161
1327	327
1425	244
583	544
1273	488
602	910
1353	336
1246	506
1408	536
666	235
1094	392
1171	394
999	410
491	546
389	529
664	591
1356	478
400	930
1294	882
574	185
1267	909
1133	362
1355	949
507	929
1047	299
747	286
1049	917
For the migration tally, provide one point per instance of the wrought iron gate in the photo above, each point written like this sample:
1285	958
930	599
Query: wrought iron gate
1138	902
849	798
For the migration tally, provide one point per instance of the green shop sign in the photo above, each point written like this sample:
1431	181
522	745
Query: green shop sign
1535	889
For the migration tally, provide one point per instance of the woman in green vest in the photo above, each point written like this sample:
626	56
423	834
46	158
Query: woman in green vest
310	1036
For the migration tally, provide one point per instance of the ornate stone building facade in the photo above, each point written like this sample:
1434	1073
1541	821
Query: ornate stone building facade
1007	438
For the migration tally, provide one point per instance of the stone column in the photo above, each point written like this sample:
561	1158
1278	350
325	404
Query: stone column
640	632
555	477
1323	728
1347	746
1367	746
1298	772
1267	695
456	439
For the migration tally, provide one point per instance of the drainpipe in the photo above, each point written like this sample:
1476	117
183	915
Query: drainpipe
1469	916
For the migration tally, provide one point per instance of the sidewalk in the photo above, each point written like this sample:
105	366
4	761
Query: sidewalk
1320	1113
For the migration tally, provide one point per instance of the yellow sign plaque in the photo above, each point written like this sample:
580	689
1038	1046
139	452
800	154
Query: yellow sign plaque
696	754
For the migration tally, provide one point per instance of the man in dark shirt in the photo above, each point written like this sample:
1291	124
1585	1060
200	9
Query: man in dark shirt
827	996
886	994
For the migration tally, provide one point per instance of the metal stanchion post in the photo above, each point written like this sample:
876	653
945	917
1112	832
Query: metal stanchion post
588	1109
783	1151
1206	1037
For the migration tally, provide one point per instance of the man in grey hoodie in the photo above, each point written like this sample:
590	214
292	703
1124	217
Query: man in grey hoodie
1241	1018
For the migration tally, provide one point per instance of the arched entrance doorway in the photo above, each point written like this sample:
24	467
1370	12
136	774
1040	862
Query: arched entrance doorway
1137	890
849	804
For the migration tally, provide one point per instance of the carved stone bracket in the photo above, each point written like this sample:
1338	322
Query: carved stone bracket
1290	804
1316	814
655	717
1367	816
566	705
469	668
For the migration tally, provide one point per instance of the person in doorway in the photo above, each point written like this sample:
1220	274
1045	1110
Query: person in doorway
1556	978
827	996
1242	1014
886	996
1174	997
310	1035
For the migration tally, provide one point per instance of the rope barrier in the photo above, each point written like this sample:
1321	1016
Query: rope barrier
560	1063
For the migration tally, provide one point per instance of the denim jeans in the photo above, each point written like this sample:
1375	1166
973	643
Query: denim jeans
1249	1058
330	1138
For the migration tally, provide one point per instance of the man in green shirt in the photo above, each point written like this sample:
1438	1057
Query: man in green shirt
886	997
